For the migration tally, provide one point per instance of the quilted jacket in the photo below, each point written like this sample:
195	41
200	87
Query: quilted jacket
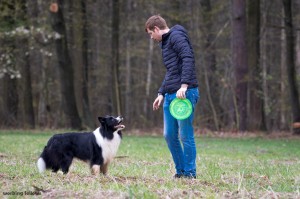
178	58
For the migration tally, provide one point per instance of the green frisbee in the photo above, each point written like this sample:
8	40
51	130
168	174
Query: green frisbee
181	108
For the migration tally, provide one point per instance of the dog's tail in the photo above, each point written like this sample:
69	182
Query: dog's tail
41	164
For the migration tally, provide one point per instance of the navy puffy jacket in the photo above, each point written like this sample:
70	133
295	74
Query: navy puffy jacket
178	58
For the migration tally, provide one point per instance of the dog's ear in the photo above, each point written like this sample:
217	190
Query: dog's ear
101	120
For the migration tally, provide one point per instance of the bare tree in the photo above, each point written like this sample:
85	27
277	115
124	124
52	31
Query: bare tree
23	63
8	52
25	83
102	59
87	115
255	103
283	77
239	59
290	63
209	65
115	56
149	74
128	93
65	67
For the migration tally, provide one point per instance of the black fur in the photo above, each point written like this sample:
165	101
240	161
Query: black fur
62	148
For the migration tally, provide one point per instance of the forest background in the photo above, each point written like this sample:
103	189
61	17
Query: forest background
64	63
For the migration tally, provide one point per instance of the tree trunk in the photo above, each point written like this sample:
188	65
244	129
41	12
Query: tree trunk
36	60
128	80
87	115
209	65
65	69
128	109
148	81
11	99
297	24
255	102
283	77
264	64
239	59
21	43
290	62
10	95
115	57
25	83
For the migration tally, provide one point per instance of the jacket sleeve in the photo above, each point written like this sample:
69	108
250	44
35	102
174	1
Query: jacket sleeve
182	47
161	89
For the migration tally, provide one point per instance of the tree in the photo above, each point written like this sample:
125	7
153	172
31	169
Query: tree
101	62
25	82
239	59
115	56
8	51
127	107
65	67
290	63
87	115
209	62
148	82
255	103
9	94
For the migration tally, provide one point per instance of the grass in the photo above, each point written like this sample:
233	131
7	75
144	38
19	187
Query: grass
227	168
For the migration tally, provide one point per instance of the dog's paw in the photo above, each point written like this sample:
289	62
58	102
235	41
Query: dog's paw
95	169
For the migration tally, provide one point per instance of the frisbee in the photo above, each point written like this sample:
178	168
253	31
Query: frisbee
181	108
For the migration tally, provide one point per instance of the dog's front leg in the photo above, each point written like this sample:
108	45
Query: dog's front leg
104	168
95	169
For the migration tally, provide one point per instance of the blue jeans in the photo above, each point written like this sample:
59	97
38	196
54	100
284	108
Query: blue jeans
179	135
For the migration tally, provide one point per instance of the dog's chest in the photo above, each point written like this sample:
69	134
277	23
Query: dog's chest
109	147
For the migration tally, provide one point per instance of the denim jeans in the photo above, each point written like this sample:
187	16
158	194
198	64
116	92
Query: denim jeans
179	135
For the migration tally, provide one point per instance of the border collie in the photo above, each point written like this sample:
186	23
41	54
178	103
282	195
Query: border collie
98	147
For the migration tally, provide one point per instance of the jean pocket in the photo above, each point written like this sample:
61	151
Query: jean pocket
193	95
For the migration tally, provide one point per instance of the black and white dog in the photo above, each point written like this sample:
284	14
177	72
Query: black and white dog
98	147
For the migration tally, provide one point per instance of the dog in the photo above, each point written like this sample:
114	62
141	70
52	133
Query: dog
98	148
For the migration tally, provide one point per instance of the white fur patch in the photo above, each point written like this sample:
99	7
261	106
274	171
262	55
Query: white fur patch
109	147
41	165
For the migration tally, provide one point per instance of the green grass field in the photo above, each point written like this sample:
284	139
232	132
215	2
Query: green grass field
227	168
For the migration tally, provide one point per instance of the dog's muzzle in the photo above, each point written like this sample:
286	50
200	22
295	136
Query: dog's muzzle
120	120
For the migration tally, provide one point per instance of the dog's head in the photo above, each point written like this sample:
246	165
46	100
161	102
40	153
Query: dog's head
111	123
